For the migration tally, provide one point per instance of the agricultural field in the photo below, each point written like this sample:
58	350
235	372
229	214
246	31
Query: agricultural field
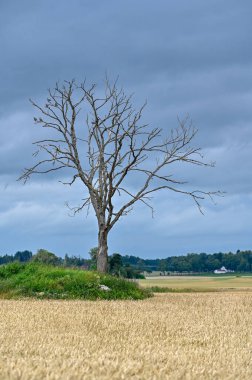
199	283
168	336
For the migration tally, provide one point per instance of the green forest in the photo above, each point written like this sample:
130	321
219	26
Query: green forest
132	266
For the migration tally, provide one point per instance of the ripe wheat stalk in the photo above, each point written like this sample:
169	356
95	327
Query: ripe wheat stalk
170	336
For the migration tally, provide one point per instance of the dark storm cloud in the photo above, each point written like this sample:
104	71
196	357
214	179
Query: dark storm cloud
184	57
141	41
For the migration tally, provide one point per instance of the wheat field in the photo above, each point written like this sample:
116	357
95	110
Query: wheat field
170	336
200	282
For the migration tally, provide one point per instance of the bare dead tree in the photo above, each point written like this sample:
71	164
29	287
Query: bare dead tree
106	148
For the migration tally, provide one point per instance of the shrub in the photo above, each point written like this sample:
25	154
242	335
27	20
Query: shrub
11	269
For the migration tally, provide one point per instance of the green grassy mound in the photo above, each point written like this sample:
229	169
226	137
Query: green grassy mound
41	281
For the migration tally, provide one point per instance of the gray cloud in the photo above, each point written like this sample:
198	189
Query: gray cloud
183	57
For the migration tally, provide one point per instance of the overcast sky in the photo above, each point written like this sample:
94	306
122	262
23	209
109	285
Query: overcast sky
183	57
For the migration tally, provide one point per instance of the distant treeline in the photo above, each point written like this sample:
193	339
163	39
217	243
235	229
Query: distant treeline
241	261
46	257
19	256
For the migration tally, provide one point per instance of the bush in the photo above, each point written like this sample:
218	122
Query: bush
11	269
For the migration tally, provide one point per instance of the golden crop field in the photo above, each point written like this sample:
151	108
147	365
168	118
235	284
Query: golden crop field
200	282
170	336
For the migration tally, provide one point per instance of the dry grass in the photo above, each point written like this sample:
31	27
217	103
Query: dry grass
170	336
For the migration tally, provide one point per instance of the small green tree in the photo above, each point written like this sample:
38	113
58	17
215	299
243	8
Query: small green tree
116	264
23	256
162	266
93	255
45	257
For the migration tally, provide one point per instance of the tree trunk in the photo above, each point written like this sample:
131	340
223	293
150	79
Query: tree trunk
102	255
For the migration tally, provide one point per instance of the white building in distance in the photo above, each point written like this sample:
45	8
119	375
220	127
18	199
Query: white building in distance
222	270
